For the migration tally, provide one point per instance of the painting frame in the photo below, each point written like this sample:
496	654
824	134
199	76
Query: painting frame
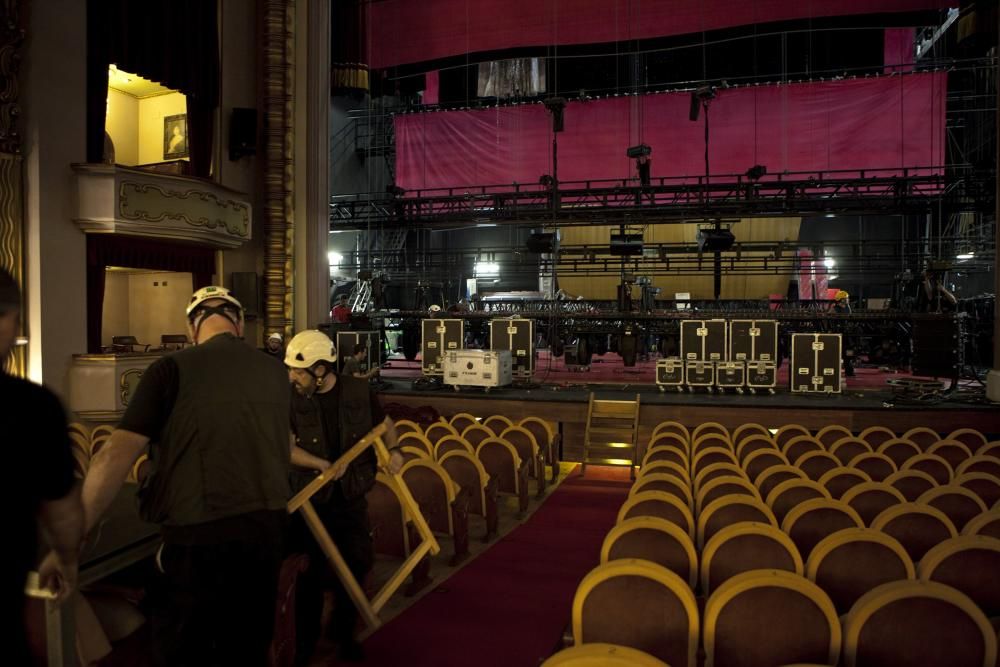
173	148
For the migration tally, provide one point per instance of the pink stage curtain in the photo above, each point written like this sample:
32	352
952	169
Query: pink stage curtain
410	31
874	123
899	45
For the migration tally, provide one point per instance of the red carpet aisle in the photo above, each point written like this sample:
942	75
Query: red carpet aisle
509	607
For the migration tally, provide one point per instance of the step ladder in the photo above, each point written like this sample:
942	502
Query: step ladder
612	434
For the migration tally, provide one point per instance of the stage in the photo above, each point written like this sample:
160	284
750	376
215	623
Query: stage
561	395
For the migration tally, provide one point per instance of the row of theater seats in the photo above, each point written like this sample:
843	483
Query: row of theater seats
456	467
757	549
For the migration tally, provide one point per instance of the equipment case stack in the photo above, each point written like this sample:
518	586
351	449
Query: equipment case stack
670	373
438	337
346	340
518	336
816	363
755	342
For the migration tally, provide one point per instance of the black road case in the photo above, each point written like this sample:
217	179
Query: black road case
670	373
438	337
704	340
816	363
753	340
518	336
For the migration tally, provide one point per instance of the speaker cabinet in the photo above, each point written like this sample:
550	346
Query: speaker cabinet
242	133
938	345
247	291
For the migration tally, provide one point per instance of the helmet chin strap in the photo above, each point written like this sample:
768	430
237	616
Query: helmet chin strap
204	312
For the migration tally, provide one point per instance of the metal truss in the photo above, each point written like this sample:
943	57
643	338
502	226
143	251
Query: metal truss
675	199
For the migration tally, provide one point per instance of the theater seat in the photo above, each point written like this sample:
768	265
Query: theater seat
746	546
639	604
958	503
839	480
933	465
911	483
656	540
790	493
450	443
919	624
760	460
714	471
672	427
665	453
817	464
503	463
768	480
721	487
547	439
789	431
846	449
528	450
497	423
708	456
752	443
876	436
877	466
922	437
952	451
970	437
392	533
763	618
800	445
602	654
810	522
670	468
709	427
849	563
462	421
661	505
918	527
468	472
442	502
666	484
969	563
476	433
417	440
670	439
900	451
987	523
407	426
870	499
980	463
740	433
728	511
828	435
438	430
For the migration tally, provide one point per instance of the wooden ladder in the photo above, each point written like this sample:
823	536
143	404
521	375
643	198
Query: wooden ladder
612	433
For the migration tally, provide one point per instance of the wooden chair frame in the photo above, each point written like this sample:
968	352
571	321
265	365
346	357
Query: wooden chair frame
301	502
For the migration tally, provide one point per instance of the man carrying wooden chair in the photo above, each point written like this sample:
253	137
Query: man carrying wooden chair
329	415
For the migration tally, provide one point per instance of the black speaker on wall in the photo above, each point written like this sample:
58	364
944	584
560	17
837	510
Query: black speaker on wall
247	291
242	133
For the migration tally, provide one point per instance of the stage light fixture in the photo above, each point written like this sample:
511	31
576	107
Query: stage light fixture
487	269
556	106
755	172
642	150
541	242
715	240
626	244
700	96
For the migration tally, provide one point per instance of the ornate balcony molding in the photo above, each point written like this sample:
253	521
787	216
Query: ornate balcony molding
121	200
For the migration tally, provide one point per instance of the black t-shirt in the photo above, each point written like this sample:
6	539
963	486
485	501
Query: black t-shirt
37	449
153	400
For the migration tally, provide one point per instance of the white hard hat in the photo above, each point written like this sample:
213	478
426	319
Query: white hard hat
209	293
308	348
435	308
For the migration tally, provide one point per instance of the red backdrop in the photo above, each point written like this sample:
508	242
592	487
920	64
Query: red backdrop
410	31
873	123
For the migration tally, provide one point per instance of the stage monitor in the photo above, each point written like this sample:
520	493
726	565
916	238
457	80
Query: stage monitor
626	244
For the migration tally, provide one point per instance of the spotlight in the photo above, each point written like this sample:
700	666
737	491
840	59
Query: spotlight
642	150
698	97
715	240
556	105
626	244
546	181
755	172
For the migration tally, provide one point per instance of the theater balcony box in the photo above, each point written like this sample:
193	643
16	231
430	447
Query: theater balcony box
123	200
101	385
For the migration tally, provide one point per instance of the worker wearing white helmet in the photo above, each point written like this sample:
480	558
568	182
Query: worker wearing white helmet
215	420
329	414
